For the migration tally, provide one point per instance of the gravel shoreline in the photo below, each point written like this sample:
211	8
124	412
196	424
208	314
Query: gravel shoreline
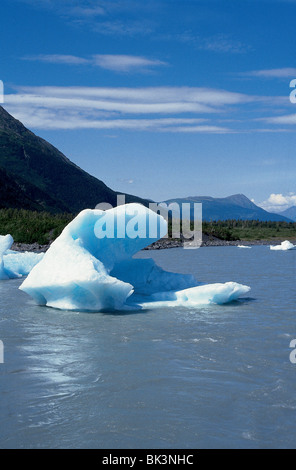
165	243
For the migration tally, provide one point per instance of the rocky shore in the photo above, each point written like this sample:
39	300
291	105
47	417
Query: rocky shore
165	243
212	241
34	247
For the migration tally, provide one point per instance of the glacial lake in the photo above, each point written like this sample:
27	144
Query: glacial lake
209	377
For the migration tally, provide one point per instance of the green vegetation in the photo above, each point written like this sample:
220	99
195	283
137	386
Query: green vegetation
250	230
42	227
31	226
233	229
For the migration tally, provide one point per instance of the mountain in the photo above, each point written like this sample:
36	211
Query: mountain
290	213
237	206
35	175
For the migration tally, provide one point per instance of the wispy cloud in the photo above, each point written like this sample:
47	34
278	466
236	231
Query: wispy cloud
51	119
57	59
117	27
105	16
127	181
289	119
286	73
125	63
108	105
219	43
207	96
114	62
155	109
223	44
87	11
161	109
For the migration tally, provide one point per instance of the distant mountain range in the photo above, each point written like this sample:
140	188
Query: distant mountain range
290	213
35	175
237	206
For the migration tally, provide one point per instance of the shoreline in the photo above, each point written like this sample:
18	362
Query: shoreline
164	244
167	244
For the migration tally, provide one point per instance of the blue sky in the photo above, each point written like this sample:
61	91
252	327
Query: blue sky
163	98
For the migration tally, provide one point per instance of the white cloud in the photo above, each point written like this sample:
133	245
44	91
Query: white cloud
116	63
125	63
58	59
80	103
206	96
39	118
287	119
278	202
202	110
288	72
205	129
153	109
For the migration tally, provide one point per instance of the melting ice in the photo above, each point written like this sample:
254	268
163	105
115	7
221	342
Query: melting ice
82	270
284	246
15	264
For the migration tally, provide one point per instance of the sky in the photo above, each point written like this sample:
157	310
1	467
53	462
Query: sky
162	98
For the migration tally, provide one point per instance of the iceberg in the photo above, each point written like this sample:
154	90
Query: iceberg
284	246
200	295
5	243
90	267
15	264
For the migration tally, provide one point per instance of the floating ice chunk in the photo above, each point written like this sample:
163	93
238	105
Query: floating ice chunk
5	243
90	267
199	295
21	262
243	246
75	273
284	246
15	264
70	277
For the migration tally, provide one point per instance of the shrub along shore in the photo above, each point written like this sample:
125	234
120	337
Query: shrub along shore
32	230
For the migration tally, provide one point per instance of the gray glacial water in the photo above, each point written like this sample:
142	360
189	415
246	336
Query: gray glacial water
209	377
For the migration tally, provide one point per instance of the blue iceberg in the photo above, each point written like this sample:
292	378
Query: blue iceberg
89	267
15	264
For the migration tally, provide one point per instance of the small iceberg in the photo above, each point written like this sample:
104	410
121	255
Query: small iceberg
89	267
14	264
243	246
284	246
